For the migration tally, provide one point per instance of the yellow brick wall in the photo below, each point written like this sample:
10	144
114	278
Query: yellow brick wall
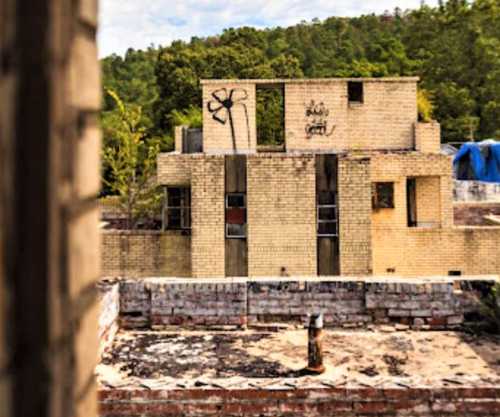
174	169
217	137
208	217
355	216
145	254
281	195
428	196
383	121
413	251
178	138
428	137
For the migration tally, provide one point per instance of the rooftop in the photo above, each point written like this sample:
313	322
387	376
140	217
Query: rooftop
270	360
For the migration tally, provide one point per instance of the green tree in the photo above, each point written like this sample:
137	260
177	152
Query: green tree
131	161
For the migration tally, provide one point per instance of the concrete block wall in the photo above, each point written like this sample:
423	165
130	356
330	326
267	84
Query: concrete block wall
281	213
355	216
428	137
143	253
208	217
220	137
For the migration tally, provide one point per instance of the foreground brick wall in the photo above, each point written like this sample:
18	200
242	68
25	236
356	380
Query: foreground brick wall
145	253
465	401
49	181
427	304
281	214
208	217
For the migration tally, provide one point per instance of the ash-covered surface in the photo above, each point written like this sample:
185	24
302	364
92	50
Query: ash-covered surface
250	358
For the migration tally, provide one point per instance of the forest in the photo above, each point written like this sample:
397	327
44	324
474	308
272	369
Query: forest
454	48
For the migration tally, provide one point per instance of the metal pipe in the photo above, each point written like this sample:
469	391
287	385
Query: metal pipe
314	348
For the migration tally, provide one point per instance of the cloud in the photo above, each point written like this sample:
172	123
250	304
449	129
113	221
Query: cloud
138	24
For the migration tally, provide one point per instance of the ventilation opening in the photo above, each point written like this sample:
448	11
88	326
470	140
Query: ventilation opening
270	118
355	92
454	273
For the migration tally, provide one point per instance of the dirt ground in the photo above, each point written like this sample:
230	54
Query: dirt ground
406	358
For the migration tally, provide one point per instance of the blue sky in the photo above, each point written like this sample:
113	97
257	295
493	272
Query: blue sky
138	24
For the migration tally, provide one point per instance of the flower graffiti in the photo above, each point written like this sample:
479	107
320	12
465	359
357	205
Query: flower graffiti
222	107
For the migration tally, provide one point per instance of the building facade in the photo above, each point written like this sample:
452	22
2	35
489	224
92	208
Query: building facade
359	186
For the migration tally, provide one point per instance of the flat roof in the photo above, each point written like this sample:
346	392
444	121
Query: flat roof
308	80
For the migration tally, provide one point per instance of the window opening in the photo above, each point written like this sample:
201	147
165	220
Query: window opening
177	210
355	91
327	214
236	215
270	115
383	195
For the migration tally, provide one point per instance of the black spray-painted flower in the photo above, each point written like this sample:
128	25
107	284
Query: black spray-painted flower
222	104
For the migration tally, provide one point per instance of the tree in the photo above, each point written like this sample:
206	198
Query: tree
131	162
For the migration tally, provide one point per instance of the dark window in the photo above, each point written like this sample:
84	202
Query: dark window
355	91
177	210
411	201
383	195
454	273
236	215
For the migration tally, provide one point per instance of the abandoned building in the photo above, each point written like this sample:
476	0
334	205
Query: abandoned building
359	186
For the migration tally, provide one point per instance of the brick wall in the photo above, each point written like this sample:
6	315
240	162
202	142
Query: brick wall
143	253
175	169
218	137
421	304
464	401
428	137
281	214
355	216
422	250
208	217
383	121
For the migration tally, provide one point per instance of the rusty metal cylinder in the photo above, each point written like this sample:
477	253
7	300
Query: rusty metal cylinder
314	348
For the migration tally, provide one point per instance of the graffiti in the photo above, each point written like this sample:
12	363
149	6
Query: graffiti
318	124
222	106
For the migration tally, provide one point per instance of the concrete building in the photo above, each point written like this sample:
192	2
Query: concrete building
359	188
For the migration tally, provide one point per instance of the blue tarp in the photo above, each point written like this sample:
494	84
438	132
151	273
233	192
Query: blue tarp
478	161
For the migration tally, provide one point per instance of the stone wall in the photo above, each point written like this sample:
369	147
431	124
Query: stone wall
109	296
317	401
420	304
49	181
281	214
143	253
472	191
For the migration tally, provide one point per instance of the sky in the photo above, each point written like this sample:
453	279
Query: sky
140	23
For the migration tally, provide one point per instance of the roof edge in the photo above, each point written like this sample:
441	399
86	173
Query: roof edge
307	80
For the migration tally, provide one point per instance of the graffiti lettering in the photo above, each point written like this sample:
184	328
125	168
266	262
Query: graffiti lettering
318	124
